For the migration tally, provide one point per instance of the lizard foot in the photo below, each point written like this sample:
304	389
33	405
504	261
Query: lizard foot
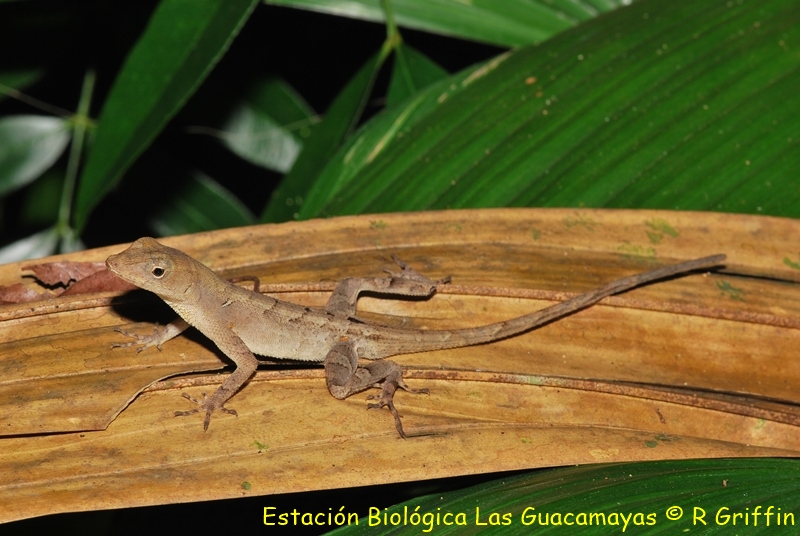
407	272
207	404
386	399
146	341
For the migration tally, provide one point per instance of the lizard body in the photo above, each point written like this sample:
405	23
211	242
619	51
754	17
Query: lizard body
243	322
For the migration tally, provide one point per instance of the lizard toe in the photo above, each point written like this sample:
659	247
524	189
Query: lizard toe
388	401
208	404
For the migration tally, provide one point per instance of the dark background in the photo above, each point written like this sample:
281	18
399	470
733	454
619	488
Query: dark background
316	54
239	516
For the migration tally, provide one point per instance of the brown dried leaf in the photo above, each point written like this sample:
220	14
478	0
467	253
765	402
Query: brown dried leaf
19	293
100	281
64	272
81	278
692	367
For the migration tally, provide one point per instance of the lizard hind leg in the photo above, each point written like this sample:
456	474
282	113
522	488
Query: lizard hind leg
393	378
406	282
344	378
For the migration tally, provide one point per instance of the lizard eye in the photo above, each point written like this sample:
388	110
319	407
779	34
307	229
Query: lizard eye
158	272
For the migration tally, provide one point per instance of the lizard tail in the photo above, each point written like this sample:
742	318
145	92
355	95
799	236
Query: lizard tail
443	339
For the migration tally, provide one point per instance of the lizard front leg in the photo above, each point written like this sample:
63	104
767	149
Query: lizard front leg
246	364
161	335
157	338
407	282
344	378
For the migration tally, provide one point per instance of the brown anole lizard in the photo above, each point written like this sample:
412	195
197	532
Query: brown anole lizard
244	322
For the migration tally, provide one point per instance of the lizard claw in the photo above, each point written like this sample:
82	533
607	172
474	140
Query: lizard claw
389	403
154	339
407	272
386	399
207	404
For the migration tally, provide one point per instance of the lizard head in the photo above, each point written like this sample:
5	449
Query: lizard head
162	270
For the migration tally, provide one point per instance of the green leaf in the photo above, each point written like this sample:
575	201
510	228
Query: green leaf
669	497
37	245
29	145
17	80
411	72
263	127
183	41
339	122
658	105
202	205
40	202
501	22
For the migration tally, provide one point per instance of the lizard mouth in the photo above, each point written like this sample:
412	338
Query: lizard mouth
114	264
111	264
